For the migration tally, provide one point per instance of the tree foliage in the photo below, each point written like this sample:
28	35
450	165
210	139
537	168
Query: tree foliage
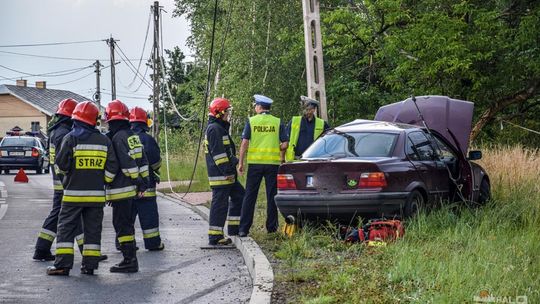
377	52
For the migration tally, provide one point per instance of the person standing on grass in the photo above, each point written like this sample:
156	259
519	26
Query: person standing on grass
221	165
265	140
304	130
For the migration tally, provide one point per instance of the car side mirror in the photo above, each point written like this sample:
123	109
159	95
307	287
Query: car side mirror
475	155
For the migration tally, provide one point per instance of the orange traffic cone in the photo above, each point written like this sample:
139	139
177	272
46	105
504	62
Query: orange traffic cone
21	176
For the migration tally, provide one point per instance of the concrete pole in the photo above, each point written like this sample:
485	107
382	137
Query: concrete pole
314	55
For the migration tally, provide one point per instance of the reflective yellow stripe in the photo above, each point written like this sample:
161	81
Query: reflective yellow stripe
215	232
64	251
90	153
150	193
221	182
151	235
118	196
83	199
136	155
222	161
144	173
80	242
91	252
156	166
45	236
108	179
58	187
233	223
126	238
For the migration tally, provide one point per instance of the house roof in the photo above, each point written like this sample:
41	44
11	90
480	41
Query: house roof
45	100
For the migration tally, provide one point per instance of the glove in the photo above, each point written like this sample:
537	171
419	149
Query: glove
141	184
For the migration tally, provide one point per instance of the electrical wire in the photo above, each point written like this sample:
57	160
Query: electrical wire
130	65
142	51
49	74
126	96
50	43
74	80
170	94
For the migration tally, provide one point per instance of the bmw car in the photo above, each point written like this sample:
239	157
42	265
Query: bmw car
25	152
411	156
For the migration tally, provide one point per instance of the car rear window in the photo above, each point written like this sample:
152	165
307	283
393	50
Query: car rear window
18	141
355	144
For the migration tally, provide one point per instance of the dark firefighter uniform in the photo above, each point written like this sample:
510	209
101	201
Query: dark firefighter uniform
87	160
132	178
146	207
48	231
221	162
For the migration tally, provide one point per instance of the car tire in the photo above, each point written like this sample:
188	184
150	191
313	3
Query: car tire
485	192
413	204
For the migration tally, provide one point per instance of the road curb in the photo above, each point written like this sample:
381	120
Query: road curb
258	265
3	196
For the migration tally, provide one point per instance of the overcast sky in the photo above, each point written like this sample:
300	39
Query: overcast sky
48	21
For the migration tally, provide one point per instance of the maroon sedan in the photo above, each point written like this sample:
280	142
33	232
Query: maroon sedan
390	166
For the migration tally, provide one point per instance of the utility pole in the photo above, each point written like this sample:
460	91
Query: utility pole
97	95
314	55
156	70
110	43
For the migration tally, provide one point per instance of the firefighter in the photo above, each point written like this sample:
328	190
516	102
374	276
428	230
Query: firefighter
146	207
57	131
265	141
304	130
129	183
221	164
87	160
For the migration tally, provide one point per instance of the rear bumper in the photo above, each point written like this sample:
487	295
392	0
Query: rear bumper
16	163
340	206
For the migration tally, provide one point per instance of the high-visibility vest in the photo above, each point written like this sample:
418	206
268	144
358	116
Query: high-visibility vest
295	133
264	142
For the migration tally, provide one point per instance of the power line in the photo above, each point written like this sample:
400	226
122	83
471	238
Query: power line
130	65
126	96
54	57
49	43
49	74
57	84
142	51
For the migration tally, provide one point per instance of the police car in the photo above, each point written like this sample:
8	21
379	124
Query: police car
25	152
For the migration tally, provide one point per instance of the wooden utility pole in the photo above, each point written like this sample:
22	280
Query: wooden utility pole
156	70
97	95
314	55
111	43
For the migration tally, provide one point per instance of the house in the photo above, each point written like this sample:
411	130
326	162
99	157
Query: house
30	108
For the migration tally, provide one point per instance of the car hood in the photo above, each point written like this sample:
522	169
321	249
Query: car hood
441	114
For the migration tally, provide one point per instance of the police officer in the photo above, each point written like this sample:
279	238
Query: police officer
304	130
128	184
87	160
57	131
221	164
265	141
146	206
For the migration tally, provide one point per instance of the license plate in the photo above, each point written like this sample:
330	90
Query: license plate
16	153
309	181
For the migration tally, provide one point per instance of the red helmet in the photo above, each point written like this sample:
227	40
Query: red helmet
87	112
218	106
138	114
116	110
66	107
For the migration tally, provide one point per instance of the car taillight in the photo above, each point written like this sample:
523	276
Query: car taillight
372	180
35	152
285	182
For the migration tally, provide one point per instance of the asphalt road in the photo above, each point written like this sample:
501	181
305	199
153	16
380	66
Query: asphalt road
182	273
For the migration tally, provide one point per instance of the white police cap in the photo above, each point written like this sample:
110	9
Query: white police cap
262	99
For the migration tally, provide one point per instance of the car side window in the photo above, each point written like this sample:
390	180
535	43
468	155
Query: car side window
445	152
419	147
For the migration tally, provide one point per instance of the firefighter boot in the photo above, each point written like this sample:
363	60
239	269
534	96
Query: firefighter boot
87	271
129	263
51	270
103	257
42	255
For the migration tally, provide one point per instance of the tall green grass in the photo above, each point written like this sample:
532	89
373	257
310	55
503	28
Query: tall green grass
448	255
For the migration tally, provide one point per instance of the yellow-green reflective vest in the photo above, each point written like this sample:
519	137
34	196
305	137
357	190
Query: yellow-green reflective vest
295	133
264	142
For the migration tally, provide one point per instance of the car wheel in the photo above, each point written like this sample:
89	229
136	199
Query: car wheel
414	203
485	192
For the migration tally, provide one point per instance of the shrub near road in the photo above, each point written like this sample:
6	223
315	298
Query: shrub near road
449	255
